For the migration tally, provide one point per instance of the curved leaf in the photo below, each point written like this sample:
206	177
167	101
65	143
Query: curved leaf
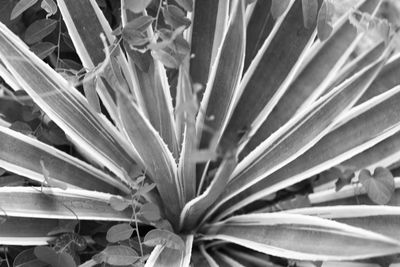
66	106
379	219
299	134
162	256
278	234
22	155
224	76
71	204
317	73
26	231
158	161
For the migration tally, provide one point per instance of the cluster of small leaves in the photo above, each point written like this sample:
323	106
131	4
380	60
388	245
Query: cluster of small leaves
63	250
123	246
378	28
26	117
379	185
40	28
161	35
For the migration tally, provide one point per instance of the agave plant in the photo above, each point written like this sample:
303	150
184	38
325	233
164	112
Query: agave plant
219	168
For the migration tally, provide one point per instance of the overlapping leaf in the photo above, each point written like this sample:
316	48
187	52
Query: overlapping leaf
65	106
22	155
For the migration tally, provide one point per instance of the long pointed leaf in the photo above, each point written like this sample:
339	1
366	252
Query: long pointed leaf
153	90
379	219
224	76
65	106
378	121
53	203
158	161
300	136
278	234
195	209
209	23
85	23
268	70
314	78
22	155
26	231
258	29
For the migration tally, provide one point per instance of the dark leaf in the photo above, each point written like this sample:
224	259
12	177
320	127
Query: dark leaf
39	29
175	17
27	258
43	49
21	7
141	60
119	232
53	258
344	174
52	134
21	127
69	242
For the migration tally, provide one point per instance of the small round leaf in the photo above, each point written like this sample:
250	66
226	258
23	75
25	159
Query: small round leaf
119	232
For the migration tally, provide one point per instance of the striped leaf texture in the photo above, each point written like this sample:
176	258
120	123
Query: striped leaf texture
218	124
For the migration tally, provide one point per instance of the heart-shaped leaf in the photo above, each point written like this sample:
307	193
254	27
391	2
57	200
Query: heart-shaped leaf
119	232
175	17
379	186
